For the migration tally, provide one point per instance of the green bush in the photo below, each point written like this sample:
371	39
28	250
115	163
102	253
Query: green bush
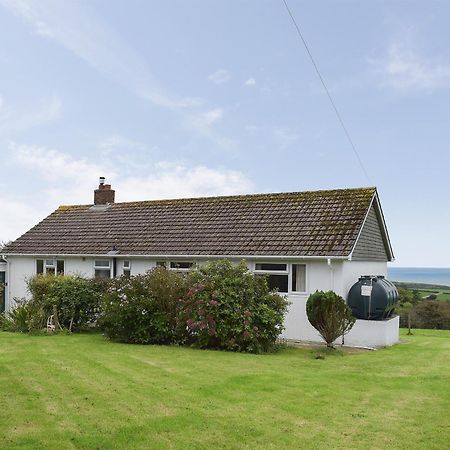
142	309
227	307
20	318
329	314
73	300
433	314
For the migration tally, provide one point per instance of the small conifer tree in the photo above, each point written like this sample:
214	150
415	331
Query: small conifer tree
329	314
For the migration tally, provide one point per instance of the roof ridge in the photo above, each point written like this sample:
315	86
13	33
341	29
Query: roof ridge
373	189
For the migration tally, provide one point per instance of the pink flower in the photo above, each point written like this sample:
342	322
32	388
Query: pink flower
247	313
213	302
246	334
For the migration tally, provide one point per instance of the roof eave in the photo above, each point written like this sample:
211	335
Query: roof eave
159	256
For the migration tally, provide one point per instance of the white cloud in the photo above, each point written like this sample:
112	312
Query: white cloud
69	180
177	180
17	118
250	82
80	30
18	216
404	69
220	76
203	125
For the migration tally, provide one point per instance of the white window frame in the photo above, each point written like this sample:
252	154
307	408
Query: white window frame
52	265
126	268
274	272
306	278
98	267
180	269
287	272
271	272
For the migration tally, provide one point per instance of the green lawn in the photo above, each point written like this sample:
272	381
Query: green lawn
81	391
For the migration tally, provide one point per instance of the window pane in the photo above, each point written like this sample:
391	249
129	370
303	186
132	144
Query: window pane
270	266
102	273
60	266
39	266
298	277
180	265
161	264
126	264
50	271
279	282
49	263
102	263
126	272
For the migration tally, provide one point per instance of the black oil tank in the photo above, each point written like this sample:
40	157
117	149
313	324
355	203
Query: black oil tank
372	298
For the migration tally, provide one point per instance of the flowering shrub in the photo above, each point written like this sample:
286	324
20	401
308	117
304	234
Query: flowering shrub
142	309
227	307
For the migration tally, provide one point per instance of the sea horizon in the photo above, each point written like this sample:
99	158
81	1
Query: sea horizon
426	275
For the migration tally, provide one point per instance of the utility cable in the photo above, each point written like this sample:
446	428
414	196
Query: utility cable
347	134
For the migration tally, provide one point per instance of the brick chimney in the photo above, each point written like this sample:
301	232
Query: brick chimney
104	194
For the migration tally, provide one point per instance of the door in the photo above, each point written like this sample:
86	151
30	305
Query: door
2	291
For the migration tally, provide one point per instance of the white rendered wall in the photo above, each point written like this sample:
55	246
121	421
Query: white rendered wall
339	277
373	333
20	268
83	267
344	274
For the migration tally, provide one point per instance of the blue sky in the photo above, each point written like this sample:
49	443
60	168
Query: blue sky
176	98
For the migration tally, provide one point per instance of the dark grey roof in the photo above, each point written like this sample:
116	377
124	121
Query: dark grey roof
317	223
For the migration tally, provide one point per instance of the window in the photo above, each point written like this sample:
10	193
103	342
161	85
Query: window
181	265
161	264
50	266
298	278
102	268
127	268
39	266
277	275
270	267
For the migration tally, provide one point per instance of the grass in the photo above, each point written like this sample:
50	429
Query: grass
81	391
443	295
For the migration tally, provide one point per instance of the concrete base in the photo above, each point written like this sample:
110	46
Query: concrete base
365	333
373	333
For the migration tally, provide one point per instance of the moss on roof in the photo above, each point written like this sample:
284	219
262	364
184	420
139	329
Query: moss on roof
311	223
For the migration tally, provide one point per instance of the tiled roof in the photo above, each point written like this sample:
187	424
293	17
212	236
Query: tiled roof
317	223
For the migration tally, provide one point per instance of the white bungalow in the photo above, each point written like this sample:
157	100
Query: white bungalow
303	241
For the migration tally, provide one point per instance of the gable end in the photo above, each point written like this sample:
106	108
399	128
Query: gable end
370	245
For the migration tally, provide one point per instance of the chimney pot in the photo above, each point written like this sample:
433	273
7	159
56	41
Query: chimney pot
104	195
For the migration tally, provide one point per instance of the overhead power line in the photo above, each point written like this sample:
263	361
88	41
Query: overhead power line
347	134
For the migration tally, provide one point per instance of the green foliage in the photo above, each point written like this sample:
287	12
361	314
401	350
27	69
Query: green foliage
416	297
329	315
20	318
142	309
405	295
74	299
431	314
227	307
424	313
218	306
